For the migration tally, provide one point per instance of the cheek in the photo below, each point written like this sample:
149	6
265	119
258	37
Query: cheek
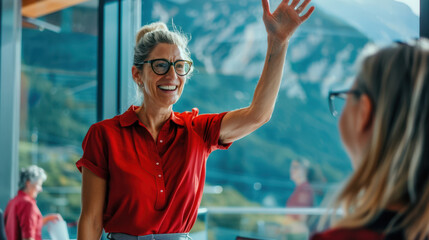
347	134
341	126
344	129
182	85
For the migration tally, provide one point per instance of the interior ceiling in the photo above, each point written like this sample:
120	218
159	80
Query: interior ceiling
39	8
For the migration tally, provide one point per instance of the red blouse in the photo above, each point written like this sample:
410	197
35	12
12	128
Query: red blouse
153	186
302	196
22	218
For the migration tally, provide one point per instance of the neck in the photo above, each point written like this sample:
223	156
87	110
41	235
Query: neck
28	193
300	181
153	117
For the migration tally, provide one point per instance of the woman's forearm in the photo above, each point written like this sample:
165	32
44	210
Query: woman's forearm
89	228
265	95
90	223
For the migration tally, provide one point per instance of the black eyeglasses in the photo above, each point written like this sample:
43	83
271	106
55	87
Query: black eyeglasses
337	100
162	66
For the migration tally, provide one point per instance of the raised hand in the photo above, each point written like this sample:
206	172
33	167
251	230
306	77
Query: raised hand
282	23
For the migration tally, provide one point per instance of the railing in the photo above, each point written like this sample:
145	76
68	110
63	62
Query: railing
209	212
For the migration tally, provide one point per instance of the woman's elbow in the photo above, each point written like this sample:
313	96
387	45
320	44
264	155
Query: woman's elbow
259	115
90	223
261	119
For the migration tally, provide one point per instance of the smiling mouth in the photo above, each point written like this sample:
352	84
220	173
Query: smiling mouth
167	87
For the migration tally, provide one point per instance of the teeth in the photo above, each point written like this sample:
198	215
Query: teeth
167	87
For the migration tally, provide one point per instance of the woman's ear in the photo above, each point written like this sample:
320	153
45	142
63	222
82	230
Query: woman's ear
136	73
365	116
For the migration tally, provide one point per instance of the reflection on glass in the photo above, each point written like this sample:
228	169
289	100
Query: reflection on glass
58	102
228	46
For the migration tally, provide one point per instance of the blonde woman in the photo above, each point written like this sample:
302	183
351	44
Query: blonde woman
385	130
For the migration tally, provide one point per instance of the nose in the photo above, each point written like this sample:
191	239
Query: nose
172	72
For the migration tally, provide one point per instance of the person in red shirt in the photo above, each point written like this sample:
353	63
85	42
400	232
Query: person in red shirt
22	217
143	171
303	194
384	128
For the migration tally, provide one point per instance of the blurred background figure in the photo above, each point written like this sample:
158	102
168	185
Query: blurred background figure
303	194
307	177
23	219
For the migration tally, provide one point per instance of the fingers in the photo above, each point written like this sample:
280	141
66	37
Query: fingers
294	3
285	2
303	6
266	6
307	14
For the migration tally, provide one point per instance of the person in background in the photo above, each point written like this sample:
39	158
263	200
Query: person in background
22	217
385	130
303	194
301	197
143	171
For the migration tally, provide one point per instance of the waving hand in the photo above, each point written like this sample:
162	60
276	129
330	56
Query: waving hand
283	22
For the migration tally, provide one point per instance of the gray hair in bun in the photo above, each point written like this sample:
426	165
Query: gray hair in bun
149	36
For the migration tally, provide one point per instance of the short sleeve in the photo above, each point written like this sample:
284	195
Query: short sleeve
208	127
94	152
28	220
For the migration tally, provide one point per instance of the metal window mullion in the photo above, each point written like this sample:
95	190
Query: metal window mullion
10	84
108	61
130	21
424	18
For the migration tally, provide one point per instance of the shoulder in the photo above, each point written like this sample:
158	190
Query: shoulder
24	205
349	234
188	114
185	118
106	125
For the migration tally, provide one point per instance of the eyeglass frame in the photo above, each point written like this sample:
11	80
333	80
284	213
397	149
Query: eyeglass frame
341	94
170	64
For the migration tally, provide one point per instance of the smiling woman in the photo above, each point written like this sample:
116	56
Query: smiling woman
143	172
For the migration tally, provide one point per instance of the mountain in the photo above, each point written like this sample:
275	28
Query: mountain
228	48
384	21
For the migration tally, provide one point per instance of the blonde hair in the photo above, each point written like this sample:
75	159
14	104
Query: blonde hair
395	169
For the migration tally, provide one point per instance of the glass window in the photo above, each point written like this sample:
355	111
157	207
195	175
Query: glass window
228	49
58	101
